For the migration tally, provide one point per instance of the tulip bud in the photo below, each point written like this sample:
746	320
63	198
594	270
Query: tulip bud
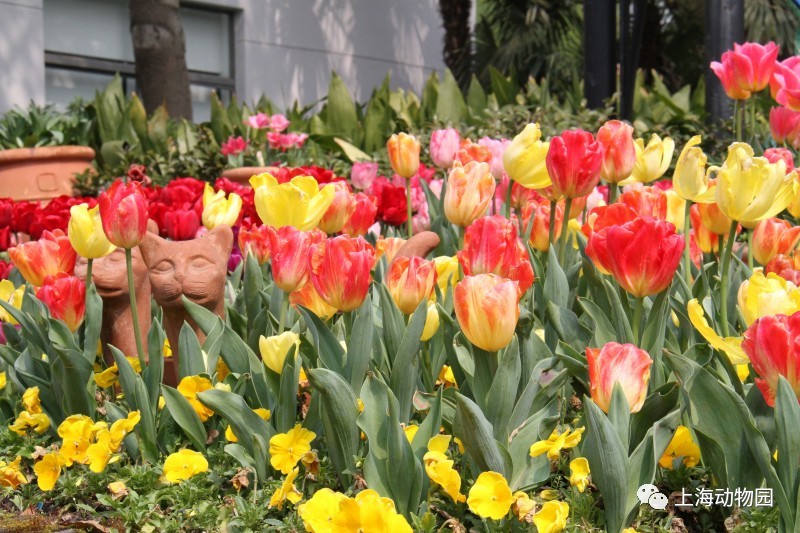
773	236
431	322
444	145
340	210
123	211
540	232
524	159
403	154
746	69
255	240
619	151
341	271
487	310
573	163
290	249
410	281
653	160
446	271
218	210
784	125
771	344
689	180
275	349
706	240
618	363
469	193
65	297
86	234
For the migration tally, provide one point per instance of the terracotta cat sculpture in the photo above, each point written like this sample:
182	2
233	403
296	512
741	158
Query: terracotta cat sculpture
110	276
196	269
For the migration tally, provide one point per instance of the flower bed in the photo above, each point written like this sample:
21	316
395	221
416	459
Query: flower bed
489	339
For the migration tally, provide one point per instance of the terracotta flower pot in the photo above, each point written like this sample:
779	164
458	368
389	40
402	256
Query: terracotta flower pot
40	174
243	174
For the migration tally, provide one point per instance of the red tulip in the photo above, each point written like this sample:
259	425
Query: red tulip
255	240
290	248
786	266
491	246
706	240
619	150
540	232
363	216
746	69
642	255
181	224
604	216
65	297
410	281
773	236
341	271
123	210
784	125
618	363
773	345
340	210
48	256
6	212
573	162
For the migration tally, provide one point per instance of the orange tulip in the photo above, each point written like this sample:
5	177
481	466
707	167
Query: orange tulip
619	150
388	247
410	281
341	271
363	216
340	210
618	363
714	219
309	298
290	250
773	236
706	240
540	232
65	297
469	192
255	240
487	310
403	154
48	256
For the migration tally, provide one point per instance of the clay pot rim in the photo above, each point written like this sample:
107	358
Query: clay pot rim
243	174
44	153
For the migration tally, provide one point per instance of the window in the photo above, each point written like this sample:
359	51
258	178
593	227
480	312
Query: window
88	41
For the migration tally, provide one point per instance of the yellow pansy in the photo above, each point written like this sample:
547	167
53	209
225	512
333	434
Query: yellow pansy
189	387
287	491
556	442
274	349
299	203
11	475
690	180
121	428
219	210
2	380
490	496
47	471
750	189
652	161
30	400
552	517
261	412
77	432
368	511
110	376
12	296
285	449
732	346
523	507
446	377
184	464
166	350
431	322
317	513
579	473
100	452
681	447
437	448
443	474
85	232
38	422
525	159
768	295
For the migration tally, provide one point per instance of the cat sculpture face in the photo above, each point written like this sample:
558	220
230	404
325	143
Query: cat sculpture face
196	268
110	275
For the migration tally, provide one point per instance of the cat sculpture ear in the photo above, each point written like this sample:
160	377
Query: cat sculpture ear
221	238
150	243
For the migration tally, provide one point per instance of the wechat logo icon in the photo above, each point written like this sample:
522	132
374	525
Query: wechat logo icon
648	494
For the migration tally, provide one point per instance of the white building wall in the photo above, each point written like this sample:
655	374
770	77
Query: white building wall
285	49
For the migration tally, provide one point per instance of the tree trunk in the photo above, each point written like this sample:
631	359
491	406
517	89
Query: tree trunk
457	38
159	48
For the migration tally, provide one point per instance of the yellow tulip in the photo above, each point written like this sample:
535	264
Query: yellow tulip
524	159
768	295
285	449
431	322
47	471
653	160
403	154
12	296
85	232
446	271
681	447
490	496
264	414
552	517
274	349
750	189
732	346
184	464
690	180
299	203
676	209
579	473
556	442
218	210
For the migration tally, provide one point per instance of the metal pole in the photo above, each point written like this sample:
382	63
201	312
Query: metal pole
724	26
599	39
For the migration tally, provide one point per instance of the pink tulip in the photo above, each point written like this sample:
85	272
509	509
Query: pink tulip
618	363
278	123
363	174
497	148
784	125
258	121
774	155
746	69
444	145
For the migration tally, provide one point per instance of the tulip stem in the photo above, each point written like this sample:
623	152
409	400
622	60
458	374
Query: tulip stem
750	249
552	228
637	319
737	125
137	331
612	193
724	278
284	311
408	206
89	279
687	242
562	250
508	200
